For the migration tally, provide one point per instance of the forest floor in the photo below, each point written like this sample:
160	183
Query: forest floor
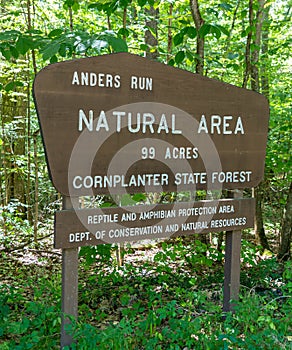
167	295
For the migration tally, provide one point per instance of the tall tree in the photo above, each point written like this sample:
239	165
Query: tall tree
286	229
151	33
253	44
199	22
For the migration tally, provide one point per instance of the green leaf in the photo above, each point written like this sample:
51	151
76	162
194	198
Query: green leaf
143	47
12	85
62	50
179	57
142	2
34	31
254	47
54	59
232	55
178	39
14	52
6	52
124	3
74	4
139	197
124	32
97	4
215	30
55	33
171	62
106	205
9	35
118	44
225	6
223	29
50	50
204	30
24	44
192	32
184	21
190	56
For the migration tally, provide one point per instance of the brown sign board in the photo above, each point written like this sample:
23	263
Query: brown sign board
123	224
121	123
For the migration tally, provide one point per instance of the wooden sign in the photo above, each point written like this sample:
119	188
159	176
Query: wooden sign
123	224
121	123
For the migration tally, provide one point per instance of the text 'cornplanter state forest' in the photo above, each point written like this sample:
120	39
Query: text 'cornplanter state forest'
120	123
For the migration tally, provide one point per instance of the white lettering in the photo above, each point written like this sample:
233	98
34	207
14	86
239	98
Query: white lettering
84	78
141	83
239	127
83	119
100	234
181	153
75	79
119	114
100	80
79	178
148	119
226	125
93	79
203	125
79	236
231	176
163	125
215	123
102	122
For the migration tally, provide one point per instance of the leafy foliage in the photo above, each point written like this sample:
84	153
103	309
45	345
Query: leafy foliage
146	305
167	297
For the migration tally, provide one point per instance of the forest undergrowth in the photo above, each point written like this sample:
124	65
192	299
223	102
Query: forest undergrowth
167	295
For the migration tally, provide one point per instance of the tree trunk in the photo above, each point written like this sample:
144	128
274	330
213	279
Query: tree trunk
286	230
199	21
151	35
255	83
169	32
259	229
252	70
36	187
124	22
247	71
227	45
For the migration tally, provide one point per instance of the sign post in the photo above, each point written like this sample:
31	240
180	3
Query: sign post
122	124
232	264
69	282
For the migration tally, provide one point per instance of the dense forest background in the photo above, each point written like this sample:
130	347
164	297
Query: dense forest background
246	43
243	42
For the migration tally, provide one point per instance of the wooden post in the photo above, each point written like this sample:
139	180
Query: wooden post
232	264
69	281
